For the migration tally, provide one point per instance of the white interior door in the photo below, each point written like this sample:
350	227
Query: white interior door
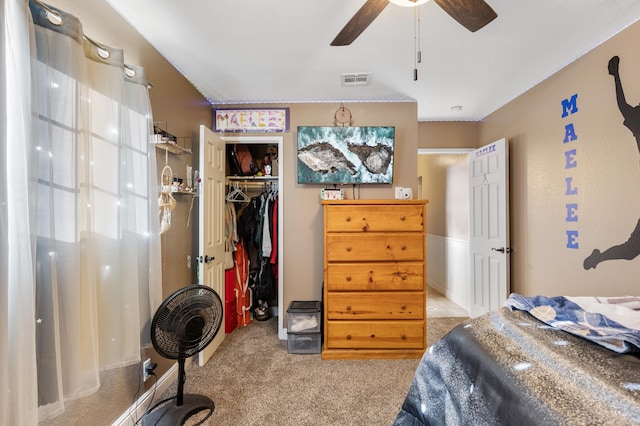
489	227
211	218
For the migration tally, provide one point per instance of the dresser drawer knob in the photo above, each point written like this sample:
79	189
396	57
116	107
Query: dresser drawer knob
348	218
348	307
373	336
348	278
403	306
403	218
403	247
348	337
348	248
403	337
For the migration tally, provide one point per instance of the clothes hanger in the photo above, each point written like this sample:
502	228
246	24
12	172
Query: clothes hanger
236	195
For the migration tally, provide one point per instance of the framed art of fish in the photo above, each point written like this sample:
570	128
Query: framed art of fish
345	155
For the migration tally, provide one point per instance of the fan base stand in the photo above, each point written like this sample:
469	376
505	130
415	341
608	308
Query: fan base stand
175	415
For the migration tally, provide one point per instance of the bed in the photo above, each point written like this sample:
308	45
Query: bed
535	361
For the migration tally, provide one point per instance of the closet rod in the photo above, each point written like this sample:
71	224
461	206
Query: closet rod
252	178
249	183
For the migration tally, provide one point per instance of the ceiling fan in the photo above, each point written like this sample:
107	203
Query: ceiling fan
472	14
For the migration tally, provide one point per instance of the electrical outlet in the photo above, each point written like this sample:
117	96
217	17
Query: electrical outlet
145	372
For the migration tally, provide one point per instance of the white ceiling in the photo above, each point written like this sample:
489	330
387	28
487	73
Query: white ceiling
277	51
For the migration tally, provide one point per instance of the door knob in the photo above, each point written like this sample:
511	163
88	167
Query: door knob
206	259
502	249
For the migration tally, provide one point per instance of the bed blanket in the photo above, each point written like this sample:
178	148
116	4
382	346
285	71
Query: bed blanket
613	322
509	368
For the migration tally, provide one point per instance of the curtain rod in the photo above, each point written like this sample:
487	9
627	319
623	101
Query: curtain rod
57	20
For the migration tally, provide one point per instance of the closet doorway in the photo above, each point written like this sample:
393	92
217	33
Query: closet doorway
278	181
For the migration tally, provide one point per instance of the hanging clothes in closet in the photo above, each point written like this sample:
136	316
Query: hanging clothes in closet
257	226
237	269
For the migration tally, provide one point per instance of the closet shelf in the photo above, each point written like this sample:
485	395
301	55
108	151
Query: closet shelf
172	147
170	143
194	193
252	178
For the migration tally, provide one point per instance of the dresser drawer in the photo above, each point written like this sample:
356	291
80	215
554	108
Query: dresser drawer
345	247
374	218
375	276
375	334
375	305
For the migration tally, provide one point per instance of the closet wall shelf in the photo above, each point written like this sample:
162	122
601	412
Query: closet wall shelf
173	148
194	193
168	142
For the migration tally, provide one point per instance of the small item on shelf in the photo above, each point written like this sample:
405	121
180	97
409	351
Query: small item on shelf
266	165
189	178
168	142
176	185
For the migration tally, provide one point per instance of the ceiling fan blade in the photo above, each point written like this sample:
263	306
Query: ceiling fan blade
359	22
472	14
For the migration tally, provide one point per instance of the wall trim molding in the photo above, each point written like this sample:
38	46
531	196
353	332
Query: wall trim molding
135	412
434	151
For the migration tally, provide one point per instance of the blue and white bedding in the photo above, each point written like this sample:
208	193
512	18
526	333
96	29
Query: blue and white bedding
508	367
613	322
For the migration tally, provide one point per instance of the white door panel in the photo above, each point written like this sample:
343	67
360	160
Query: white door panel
489	227
211	217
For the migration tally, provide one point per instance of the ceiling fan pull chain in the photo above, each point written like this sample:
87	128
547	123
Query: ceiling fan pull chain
419	36
416	42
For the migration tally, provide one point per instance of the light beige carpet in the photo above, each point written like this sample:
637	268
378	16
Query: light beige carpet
253	380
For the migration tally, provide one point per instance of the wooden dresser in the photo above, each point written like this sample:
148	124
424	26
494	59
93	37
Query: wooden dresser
374	279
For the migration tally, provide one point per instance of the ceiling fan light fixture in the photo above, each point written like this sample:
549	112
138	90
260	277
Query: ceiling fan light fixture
408	3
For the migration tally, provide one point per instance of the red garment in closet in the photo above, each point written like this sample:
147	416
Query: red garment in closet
243	293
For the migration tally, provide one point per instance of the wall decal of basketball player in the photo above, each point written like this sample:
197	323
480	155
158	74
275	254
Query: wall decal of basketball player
631	248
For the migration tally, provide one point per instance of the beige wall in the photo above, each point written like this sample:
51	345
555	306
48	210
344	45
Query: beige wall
445	183
448	134
303	225
607	175
444	177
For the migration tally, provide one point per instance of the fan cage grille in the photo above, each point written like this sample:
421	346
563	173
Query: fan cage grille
186	322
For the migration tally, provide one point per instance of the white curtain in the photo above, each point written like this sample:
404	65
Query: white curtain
87	239
18	403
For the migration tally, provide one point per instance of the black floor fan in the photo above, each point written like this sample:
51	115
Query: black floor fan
184	324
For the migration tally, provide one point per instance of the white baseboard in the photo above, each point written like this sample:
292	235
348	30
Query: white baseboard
147	399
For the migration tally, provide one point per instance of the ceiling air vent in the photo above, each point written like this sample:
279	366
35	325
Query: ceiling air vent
356	79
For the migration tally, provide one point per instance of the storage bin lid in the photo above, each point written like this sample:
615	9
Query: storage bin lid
304	306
